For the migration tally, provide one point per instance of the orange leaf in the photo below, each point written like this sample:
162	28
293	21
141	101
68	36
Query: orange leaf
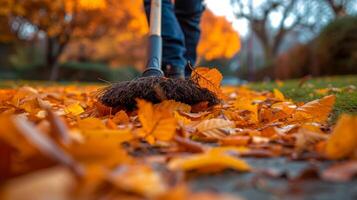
209	79
238	140
343	140
244	103
317	110
158	122
91	123
121	117
102	146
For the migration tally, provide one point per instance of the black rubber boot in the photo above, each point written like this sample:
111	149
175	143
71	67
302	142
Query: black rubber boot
174	72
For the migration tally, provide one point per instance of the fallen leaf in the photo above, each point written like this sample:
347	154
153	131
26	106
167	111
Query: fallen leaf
278	95
190	145
159	123
54	183
317	110
139	179
307	138
74	109
322	91
212	160
102	146
237	140
91	123
45	145
215	128
340	172
244	103
59	128
171	106
209	79
121	117
343	140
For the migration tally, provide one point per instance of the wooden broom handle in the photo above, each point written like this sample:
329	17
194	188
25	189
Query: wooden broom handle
155	17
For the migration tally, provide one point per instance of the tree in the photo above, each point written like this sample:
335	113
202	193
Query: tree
112	32
339	8
218	39
126	45
60	21
56	19
288	15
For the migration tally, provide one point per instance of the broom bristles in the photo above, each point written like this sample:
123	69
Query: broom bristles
123	95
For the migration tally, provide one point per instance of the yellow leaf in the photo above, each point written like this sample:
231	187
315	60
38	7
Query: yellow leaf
212	160
278	95
244	103
322	91
181	119
208	78
316	111
343	140
279	83
74	109
157	122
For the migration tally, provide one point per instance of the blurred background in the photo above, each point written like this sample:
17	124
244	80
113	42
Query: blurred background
95	40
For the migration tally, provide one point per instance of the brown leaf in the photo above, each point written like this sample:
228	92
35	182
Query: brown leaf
306	139
215	128
189	144
341	172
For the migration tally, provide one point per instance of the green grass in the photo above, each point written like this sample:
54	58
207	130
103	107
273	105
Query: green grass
344	87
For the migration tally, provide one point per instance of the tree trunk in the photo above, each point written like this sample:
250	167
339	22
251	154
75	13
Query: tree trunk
50	57
54	50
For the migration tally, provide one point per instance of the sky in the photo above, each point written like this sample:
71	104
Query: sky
223	8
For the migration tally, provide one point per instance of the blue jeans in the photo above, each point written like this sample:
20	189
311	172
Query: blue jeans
180	33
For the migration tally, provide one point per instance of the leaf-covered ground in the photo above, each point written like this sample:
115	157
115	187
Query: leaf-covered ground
278	140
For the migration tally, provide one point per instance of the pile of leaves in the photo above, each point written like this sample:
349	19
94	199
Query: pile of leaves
61	142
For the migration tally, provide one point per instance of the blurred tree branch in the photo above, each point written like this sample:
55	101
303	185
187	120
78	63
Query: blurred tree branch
260	22
338	8
298	16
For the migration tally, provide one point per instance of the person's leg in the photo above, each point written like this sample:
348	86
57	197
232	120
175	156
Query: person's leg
188	13
173	60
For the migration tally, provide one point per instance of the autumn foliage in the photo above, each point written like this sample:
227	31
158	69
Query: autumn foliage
113	31
62	131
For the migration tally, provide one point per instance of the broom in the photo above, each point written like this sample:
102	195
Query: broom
152	85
